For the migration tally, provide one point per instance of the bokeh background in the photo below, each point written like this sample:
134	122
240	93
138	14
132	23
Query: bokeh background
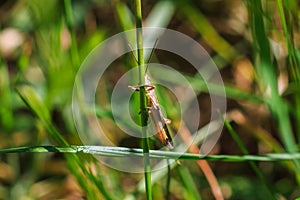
254	43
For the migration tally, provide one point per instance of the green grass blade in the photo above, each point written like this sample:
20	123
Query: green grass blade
206	131
189	183
6	114
288	32
69	21
208	32
34	102
294	63
232	92
125	16
134	152
144	117
168	184
246	152
199	85
267	74
161	14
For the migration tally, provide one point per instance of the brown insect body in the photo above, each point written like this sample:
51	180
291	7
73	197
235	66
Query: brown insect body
154	109
156	115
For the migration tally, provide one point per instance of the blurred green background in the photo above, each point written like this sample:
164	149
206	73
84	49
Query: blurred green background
254	43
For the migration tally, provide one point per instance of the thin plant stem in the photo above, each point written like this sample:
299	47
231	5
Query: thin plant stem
292	60
289	42
69	21
144	117
168	185
266	72
156	154
244	150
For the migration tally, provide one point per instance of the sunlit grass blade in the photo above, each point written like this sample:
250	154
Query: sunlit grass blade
69	21
287	26
161	14
134	152
34	102
168	184
259	133
125	17
200	85
88	44
6	114
231	92
189	183
187	139
244	150
157	175
144	114
126	20
208	32
268	79
287	23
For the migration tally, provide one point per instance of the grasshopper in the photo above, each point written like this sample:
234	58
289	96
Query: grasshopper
154	110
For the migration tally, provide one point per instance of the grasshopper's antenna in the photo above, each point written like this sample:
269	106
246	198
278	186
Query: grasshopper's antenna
153	49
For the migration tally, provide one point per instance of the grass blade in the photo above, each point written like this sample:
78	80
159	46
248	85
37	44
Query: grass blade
6	119
134	152
208	32
144	117
161	14
33	101
188	183
244	150
267	75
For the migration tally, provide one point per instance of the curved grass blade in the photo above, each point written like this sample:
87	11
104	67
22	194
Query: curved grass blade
76	165
123	152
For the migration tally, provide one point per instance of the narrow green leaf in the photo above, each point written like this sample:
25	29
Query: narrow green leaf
252	164
35	103
134	152
160	14
266	71
6	114
143	106
208	32
189	183
125	16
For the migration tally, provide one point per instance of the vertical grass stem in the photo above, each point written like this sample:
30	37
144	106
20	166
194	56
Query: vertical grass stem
141	67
